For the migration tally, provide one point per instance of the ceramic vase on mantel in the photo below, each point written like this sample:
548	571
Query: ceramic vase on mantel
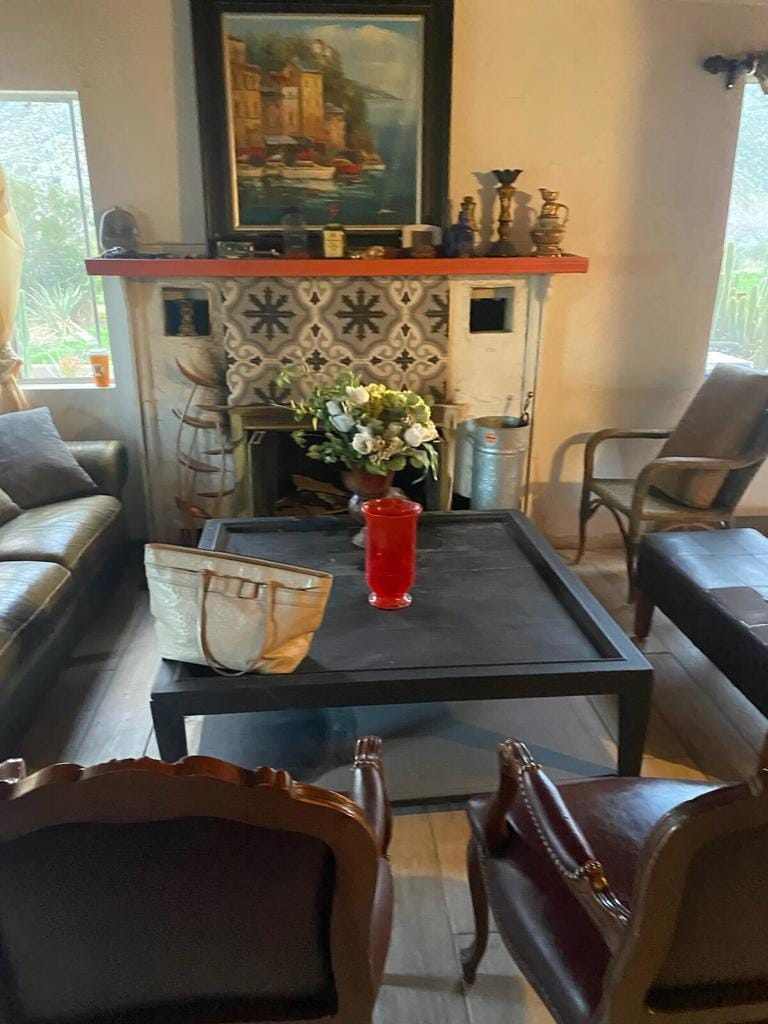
365	486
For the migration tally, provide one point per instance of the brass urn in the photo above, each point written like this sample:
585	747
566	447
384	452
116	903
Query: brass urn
548	231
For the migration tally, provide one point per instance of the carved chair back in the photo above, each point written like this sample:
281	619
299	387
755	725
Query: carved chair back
696	947
195	892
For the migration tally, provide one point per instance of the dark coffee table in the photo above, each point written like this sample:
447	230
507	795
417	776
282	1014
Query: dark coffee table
495	614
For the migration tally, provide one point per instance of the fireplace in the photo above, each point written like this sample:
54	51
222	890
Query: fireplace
466	332
272	462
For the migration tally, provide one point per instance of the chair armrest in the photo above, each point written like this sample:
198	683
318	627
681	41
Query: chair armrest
687	463
522	779
369	789
609	434
106	462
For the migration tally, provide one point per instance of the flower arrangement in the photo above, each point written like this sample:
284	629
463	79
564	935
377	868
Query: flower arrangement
369	427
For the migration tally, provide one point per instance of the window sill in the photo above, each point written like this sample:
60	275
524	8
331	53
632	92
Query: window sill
62	385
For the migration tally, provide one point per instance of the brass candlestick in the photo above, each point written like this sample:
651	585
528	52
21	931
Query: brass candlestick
503	245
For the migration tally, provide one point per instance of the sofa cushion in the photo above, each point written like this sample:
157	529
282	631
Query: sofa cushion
719	423
77	534
31	594
36	467
8	508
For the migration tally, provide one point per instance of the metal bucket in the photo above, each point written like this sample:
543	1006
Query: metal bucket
498	464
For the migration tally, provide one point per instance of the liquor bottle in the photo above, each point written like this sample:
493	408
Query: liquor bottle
334	236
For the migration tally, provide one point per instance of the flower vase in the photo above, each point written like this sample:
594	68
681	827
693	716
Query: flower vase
365	486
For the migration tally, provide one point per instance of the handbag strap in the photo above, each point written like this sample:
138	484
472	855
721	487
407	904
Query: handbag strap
213	663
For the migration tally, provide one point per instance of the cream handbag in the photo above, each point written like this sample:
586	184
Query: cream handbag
232	613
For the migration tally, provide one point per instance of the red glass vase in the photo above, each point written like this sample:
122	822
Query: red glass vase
390	550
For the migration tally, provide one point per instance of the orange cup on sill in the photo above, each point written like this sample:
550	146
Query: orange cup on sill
99	359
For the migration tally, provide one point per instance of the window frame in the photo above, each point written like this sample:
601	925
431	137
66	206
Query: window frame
71	99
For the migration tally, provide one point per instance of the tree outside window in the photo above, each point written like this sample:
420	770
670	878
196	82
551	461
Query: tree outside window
61	316
740	323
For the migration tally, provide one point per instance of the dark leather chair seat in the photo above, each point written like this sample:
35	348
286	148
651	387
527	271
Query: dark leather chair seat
559	945
713	586
76	534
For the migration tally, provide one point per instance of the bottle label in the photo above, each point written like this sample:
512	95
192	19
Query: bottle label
333	244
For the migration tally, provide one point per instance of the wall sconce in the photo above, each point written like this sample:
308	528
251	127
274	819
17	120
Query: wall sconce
735	68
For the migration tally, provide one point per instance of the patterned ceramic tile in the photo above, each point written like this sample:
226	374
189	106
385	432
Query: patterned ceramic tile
393	330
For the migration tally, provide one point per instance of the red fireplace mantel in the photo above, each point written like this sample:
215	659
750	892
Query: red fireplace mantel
477	266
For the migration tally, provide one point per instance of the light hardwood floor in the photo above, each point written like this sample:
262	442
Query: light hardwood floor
700	727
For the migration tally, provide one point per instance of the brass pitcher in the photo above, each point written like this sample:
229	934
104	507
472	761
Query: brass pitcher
548	231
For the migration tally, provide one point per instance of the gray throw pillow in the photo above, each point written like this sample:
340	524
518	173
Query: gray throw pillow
36	467
8	508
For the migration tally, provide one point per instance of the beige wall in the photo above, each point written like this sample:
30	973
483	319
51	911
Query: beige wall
139	119
604	99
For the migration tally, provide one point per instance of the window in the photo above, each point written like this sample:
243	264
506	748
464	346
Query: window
61	315
740	323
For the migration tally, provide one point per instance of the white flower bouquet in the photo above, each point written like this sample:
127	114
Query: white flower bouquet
369	427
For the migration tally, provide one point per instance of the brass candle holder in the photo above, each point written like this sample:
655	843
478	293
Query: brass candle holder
503	246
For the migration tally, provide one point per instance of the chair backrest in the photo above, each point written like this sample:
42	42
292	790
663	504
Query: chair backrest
738	480
721	421
195	892
697	945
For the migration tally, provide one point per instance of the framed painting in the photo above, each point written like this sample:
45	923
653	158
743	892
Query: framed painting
320	104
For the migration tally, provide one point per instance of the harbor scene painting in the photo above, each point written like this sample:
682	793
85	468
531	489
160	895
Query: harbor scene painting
325	110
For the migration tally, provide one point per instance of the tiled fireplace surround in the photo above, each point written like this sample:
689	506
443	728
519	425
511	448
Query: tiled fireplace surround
407	331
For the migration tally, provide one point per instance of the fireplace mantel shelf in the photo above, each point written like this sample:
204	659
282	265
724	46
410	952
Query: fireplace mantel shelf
477	266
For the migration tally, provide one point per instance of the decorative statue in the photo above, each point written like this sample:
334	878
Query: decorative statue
118	230
506	189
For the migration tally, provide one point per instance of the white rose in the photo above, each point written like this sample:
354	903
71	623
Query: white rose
358	395
362	443
343	422
414	435
334	408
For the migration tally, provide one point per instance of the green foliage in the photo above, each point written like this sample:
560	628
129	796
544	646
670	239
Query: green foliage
369	426
741	312
51	221
273	51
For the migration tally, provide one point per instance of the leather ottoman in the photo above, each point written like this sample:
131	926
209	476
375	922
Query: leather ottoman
714	587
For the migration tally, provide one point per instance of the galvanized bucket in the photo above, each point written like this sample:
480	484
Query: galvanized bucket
499	459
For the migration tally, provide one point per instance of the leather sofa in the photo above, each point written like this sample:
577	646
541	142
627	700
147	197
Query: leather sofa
55	565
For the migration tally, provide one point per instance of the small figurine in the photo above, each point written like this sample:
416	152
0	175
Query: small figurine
118	230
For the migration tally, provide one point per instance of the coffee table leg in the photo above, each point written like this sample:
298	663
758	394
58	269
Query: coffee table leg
170	732
634	709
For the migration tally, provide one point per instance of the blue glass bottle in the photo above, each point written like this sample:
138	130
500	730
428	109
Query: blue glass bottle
460	238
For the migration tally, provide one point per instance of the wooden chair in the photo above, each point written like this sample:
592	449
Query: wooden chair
702	471
626	900
146	893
